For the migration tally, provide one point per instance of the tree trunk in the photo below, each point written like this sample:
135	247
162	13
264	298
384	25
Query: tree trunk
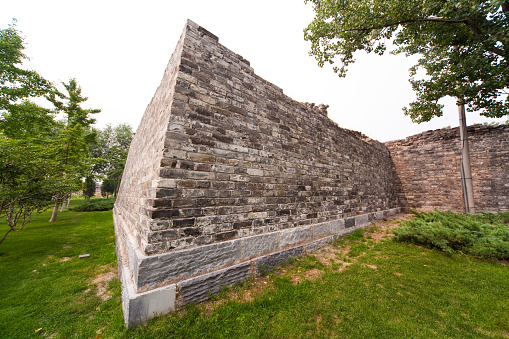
55	212
5	236
63	206
88	198
69	201
465	160
116	189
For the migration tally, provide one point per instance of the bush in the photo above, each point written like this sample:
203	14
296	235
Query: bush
483	235
94	205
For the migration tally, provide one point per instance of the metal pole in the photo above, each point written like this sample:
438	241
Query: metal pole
465	197
465	160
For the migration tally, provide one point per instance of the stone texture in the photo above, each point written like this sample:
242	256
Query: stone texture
268	262
338	225
172	266
198	289
232	156
321	230
349	222
428	167
139	307
260	244
294	236
361	220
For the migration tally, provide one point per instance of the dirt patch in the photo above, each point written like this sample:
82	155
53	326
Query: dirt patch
102	282
345	266
381	229
374	267
64	259
311	275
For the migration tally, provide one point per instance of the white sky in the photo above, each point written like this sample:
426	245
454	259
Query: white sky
118	51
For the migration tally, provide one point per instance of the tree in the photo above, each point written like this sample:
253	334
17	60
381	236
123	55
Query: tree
70	104
73	157
108	187
463	47
26	181
113	146
25	128
89	187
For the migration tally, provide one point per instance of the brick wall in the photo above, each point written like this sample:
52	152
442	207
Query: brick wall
226	174
222	154
428	165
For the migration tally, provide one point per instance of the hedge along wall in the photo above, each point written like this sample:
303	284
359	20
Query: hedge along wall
428	165
227	173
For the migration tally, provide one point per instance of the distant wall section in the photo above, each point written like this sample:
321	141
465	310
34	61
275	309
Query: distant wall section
428	165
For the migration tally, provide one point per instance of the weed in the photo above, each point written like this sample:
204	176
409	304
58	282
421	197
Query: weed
263	270
358	234
357	249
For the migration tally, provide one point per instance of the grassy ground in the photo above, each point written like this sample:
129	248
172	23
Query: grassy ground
365	286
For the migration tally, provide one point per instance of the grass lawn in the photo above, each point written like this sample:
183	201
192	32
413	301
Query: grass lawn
364	286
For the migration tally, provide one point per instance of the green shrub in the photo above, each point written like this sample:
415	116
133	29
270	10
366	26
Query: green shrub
94	205
483	235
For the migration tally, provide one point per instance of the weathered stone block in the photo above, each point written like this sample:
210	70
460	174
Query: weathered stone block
349	222
294	236
197	289
337	226
361	220
171	266
269	262
317	244
259	244
139	307
321	230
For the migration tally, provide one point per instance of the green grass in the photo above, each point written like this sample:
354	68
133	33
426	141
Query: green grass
392	290
40	291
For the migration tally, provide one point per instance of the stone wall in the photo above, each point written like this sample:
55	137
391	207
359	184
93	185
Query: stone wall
227	173
428	165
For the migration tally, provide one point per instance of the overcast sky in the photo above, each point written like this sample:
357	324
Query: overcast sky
118	51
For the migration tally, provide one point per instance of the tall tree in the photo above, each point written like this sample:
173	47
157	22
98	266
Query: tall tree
76	135
463	47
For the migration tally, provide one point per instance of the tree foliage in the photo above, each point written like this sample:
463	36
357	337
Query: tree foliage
26	179
112	146
16	84
70	104
463	47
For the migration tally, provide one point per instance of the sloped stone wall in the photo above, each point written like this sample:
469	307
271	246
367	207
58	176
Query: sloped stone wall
227	173
428	165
